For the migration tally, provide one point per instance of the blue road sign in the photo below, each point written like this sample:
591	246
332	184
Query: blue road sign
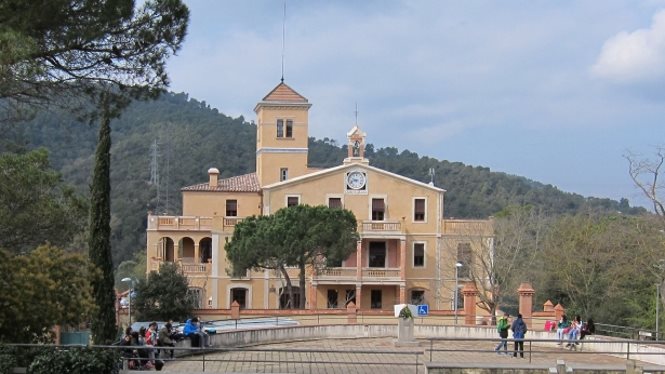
423	310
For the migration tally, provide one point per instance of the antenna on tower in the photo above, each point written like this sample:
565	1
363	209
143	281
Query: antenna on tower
154	171
283	39
356	113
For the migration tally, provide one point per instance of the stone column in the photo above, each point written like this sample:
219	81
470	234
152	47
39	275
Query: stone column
197	256
402	260
526	293
470	293
359	260
359	274
351	312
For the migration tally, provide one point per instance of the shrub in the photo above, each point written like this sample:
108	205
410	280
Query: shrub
76	361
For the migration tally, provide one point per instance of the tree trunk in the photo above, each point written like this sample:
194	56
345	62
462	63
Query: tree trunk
103	321
301	284
289	288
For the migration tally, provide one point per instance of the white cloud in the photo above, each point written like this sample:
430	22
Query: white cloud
634	57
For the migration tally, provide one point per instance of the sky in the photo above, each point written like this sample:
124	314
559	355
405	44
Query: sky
555	91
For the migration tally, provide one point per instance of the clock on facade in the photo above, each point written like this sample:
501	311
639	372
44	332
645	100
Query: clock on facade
356	180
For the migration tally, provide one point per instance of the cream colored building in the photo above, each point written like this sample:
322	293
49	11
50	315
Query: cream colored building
407	252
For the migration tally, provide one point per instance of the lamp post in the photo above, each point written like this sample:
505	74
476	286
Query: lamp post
129	296
457	266
657	309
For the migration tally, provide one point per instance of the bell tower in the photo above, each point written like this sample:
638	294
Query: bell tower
356	146
281	135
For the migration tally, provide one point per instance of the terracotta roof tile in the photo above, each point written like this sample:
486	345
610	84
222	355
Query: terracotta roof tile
241	183
284	93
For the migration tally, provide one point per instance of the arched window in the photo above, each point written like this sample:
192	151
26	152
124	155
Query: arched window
205	250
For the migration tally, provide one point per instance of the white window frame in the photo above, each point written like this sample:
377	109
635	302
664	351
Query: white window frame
413	209
413	255
286	199
248	296
334	196
385	207
283	174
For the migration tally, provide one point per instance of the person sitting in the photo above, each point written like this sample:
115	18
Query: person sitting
193	331
588	328
128	353
142	353
574	332
165	339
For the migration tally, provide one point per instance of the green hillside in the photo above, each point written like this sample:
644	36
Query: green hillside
192	137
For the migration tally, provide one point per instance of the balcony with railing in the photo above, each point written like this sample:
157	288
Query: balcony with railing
188	266
474	227
180	223
192	223
336	275
350	274
380	227
381	274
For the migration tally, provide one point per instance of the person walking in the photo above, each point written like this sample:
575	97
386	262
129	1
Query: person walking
519	329
502	327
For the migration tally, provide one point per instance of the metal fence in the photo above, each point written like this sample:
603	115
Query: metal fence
385	359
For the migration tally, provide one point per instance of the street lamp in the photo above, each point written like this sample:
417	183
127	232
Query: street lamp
457	266
129	296
657	309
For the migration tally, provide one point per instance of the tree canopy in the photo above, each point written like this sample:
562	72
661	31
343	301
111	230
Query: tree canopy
43	288
58	51
93	57
36	206
299	236
164	295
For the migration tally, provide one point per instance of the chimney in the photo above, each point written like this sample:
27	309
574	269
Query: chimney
214	176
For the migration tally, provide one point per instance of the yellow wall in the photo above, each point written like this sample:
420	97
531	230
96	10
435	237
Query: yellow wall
398	195
268	162
204	203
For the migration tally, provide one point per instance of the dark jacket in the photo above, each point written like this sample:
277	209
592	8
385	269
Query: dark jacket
519	328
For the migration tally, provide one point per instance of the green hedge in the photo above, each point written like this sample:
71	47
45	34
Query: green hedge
76	361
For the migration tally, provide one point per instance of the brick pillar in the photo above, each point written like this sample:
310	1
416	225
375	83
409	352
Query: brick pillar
359	300
559	311
402	294
351	312
470	293
313	293
526	293
548	306
235	310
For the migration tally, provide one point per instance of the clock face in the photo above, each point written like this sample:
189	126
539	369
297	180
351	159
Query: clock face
356	180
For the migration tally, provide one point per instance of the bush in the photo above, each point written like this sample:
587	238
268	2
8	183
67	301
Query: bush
76	361
7	359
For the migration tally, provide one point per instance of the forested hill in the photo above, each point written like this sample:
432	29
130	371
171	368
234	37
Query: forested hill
191	137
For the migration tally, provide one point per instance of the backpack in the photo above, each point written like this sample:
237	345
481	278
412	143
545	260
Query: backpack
520	327
502	326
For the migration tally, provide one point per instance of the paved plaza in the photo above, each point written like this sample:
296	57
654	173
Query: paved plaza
368	355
